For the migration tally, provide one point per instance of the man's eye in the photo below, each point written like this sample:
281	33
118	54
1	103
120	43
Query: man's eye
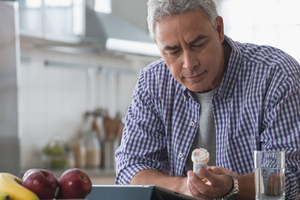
199	45
174	53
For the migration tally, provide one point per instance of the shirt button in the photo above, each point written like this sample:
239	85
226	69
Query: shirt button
192	123
180	155
229	99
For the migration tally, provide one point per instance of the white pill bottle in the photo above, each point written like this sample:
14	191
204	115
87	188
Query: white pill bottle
200	157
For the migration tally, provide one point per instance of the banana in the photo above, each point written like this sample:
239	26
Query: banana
3	196
11	185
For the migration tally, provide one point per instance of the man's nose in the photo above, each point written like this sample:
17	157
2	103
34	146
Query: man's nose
189	60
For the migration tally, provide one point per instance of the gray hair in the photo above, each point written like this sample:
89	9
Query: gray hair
158	9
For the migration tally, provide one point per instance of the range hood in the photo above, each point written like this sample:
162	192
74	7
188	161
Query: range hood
117	34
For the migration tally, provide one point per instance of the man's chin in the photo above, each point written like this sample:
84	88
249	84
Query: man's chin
199	89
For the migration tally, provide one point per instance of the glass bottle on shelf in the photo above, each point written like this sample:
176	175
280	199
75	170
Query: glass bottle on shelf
70	158
79	151
92	144
78	145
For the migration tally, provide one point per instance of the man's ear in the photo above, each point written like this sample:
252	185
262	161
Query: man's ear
220	28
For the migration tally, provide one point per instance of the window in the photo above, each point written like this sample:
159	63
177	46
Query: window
266	22
33	3
58	3
30	15
103	6
52	18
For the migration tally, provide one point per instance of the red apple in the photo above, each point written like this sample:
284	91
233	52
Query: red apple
74	184
42	182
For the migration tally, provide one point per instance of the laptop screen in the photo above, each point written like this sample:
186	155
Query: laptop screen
134	192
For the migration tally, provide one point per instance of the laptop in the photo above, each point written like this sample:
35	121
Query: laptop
134	192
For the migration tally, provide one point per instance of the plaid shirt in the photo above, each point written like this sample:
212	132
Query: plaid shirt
256	107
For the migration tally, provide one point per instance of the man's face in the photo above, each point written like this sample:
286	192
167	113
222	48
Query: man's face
192	49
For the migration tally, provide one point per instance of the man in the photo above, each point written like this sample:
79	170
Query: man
209	92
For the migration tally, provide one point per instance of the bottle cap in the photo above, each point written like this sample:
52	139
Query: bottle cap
200	156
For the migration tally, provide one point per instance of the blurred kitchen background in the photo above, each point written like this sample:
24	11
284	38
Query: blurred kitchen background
68	69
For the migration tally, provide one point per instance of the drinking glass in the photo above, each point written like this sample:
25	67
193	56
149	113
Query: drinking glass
269	175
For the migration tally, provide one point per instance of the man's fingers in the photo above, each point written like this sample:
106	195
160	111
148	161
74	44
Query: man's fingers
198	187
195	184
221	182
193	189
212	176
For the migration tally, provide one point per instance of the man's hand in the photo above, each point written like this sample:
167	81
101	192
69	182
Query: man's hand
219	183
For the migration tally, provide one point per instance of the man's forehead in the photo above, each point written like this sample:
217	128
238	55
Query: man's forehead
172	38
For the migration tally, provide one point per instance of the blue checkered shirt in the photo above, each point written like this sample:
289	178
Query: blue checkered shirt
256	107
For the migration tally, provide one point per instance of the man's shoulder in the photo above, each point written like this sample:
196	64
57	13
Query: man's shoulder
157	77
269	56
157	70
155	65
262	53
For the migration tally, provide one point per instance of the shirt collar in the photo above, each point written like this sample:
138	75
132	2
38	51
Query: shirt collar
231	73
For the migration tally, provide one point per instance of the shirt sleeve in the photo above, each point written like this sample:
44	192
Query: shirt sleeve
143	143
281	125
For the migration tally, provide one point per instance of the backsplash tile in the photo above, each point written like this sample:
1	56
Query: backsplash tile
54	99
